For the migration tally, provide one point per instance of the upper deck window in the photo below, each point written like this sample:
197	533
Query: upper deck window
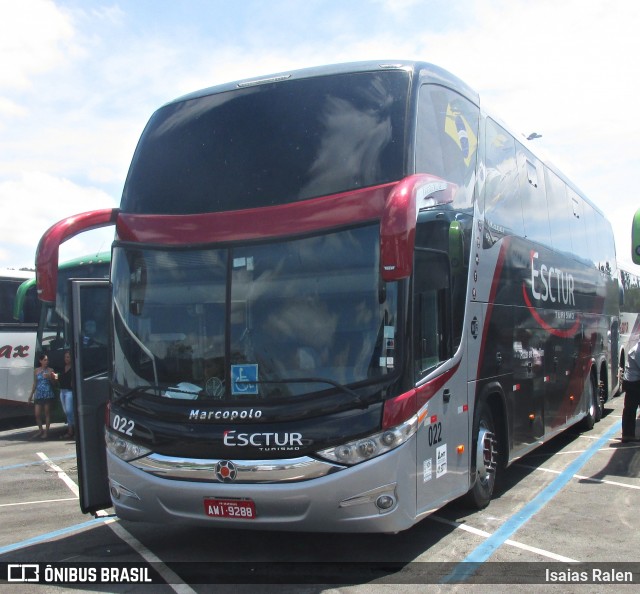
271	144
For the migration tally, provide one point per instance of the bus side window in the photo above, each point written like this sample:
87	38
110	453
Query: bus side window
503	209
533	197
431	310
560	214
447	139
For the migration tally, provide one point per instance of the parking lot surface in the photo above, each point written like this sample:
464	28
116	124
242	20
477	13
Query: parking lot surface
563	512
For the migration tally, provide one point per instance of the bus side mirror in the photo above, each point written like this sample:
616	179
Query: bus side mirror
398	223
635	238
47	252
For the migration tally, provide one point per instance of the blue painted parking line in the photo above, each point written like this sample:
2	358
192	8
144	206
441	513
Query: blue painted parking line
38	463
466	568
50	535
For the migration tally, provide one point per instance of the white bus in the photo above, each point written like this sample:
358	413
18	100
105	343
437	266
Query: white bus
339	299
17	345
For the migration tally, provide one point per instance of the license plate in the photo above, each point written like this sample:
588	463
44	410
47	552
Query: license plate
239	509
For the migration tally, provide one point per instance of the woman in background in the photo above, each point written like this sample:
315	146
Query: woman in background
42	394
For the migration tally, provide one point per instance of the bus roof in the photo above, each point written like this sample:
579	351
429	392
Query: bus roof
423	69
425	72
13	274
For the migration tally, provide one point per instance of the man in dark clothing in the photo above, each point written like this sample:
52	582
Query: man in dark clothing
631	395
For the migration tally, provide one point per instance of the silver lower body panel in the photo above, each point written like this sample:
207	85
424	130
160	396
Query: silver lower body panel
340	501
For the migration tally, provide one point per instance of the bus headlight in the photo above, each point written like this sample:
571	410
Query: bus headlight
360	450
123	448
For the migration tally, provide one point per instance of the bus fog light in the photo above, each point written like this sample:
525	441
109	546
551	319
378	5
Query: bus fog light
380	497
118	491
385	502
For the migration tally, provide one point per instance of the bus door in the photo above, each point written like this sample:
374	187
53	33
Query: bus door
90	329
442	470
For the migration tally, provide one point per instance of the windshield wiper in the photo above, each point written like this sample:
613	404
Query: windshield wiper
149	390
155	389
312	380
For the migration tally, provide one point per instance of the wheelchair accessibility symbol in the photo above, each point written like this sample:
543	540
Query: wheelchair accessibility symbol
244	379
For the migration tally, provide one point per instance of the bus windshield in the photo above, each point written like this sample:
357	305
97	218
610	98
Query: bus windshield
18	300
204	323
316	136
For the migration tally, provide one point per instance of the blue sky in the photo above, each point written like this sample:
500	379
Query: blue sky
80	78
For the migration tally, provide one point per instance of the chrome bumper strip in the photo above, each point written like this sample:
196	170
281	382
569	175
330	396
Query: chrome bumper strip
247	471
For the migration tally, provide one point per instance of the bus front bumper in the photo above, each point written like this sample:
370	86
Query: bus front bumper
375	496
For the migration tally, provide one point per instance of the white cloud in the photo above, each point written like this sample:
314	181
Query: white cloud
33	36
11	109
76	96
33	202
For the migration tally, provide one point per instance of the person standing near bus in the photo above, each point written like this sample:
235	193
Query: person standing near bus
631	386
42	394
66	394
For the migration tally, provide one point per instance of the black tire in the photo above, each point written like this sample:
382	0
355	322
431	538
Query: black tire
484	464
590	394
600	402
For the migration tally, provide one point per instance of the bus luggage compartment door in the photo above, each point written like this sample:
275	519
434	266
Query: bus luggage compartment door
89	313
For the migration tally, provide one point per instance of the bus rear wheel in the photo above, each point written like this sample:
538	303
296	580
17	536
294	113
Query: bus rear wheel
591	396
602	396
485	461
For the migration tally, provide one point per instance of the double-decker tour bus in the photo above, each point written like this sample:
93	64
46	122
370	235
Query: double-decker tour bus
17	344
339	298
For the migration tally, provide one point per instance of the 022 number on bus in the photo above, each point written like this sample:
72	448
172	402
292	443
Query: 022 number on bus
123	425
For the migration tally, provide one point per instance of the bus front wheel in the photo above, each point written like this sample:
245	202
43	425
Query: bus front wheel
485	458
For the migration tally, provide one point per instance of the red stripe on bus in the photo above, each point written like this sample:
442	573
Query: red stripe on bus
257	223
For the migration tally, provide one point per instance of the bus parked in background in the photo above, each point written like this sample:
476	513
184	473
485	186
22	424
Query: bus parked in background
629	313
28	328
339	299
635	238
17	344
54	320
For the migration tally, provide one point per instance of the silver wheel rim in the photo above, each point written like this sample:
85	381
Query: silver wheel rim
486	455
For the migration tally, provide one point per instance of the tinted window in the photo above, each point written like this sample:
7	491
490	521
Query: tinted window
503	210
94	330
560	213
8	290
595	252
270	144
534	201
579	236
284	312
432	311
447	139
31	308
607	260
